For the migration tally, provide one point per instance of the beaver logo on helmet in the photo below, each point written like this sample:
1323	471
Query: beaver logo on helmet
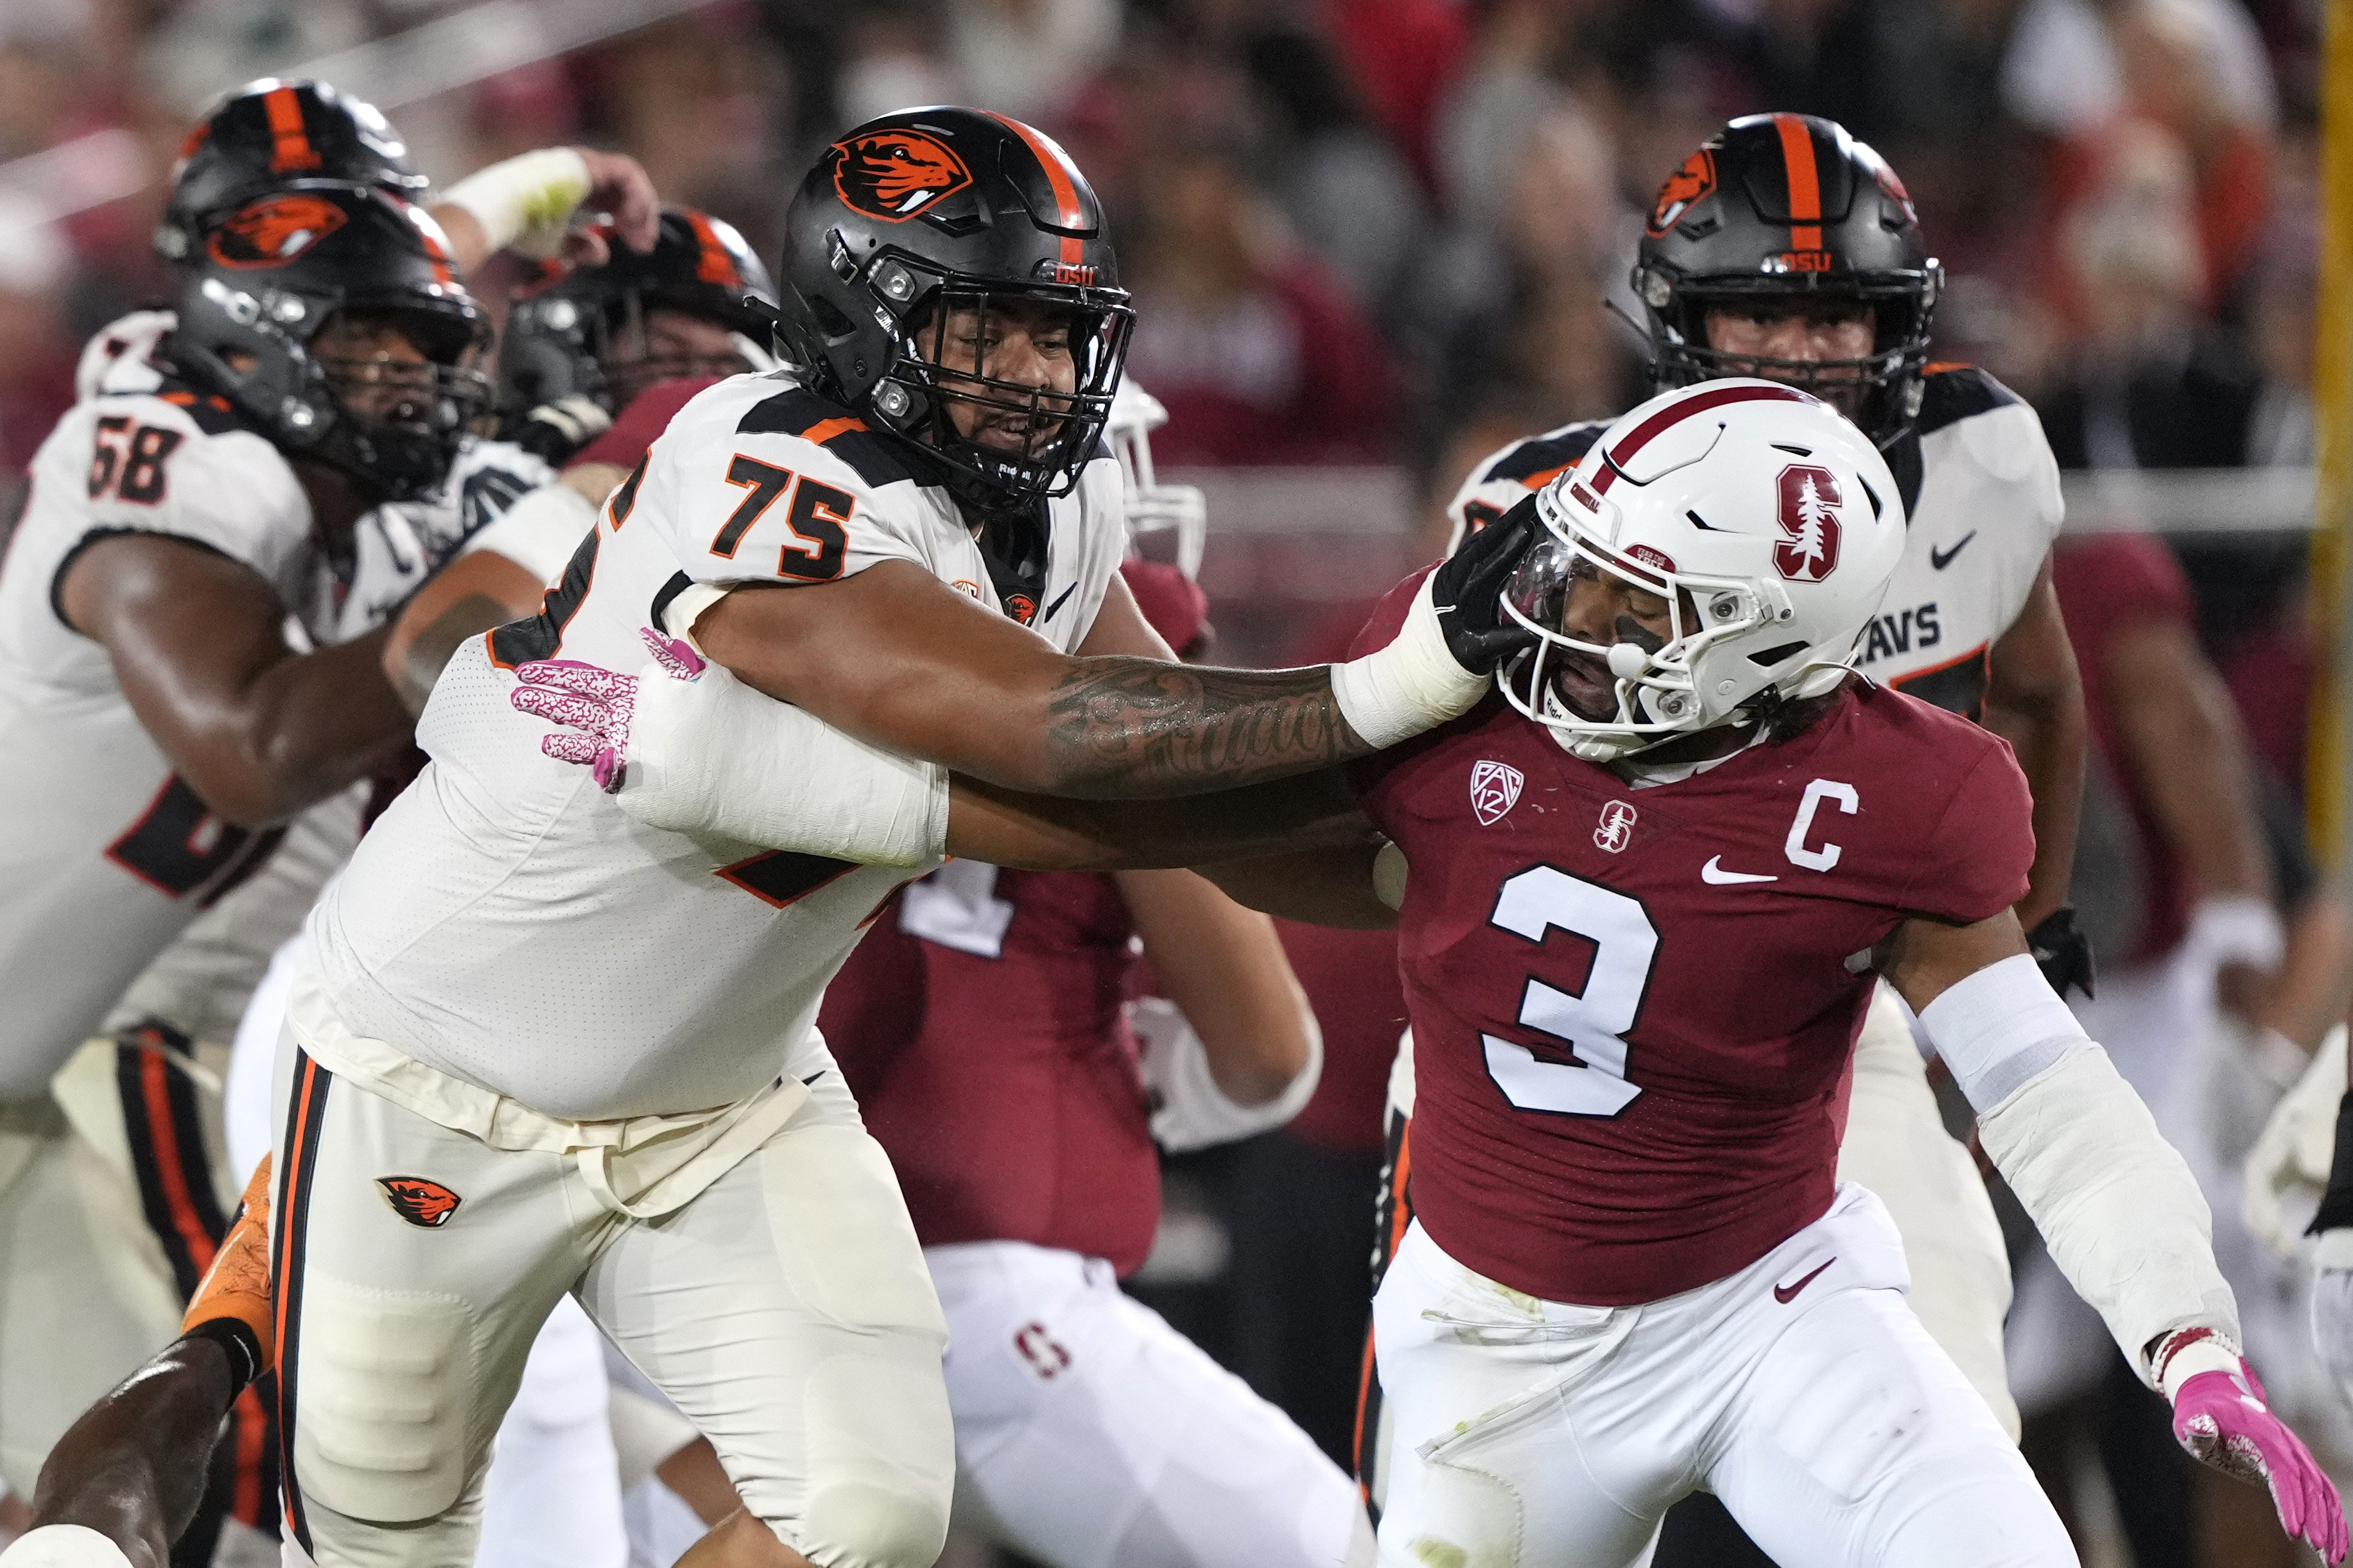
1692	183
895	174
418	1201
274	231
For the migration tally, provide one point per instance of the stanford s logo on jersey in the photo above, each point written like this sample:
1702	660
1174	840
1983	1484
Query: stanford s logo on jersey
1494	790
1694	182
1808	499
895	174
273	232
418	1201
1617	829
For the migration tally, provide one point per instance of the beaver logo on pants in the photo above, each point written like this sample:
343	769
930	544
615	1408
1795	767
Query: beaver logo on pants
418	1201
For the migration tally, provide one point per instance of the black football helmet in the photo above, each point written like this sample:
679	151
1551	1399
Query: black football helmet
267	277
933	211
564	339
1790	207
268	134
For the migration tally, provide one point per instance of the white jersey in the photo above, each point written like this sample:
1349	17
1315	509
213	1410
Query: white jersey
1981	491
106	855
506	923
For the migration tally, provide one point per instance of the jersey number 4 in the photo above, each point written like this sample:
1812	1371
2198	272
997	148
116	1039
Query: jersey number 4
1592	1024
130	461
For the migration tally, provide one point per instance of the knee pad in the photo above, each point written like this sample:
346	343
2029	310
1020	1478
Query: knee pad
881	1465
385	1391
861	1524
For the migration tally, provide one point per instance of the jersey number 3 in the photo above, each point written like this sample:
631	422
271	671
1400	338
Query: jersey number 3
1592	1024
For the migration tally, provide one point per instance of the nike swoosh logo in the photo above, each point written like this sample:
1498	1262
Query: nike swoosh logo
1059	602
1785	1294
1716	876
1940	559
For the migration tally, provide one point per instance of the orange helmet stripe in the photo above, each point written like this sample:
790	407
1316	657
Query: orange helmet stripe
1805	183
1058	167
715	265
284	108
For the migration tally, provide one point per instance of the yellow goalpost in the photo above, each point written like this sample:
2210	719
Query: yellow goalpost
2327	763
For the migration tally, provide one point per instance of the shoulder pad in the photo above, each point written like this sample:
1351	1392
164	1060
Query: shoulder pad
802	412
1539	457
209	411
1950	393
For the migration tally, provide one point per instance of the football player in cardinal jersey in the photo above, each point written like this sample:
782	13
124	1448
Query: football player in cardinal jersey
595	1035
1644	894
980	1024
1786	250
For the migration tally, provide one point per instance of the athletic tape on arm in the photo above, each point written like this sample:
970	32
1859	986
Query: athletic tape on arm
1411	684
2116	1203
1192	1111
525	202
713	755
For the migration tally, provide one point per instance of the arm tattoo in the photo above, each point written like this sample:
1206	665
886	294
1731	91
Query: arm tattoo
1136	727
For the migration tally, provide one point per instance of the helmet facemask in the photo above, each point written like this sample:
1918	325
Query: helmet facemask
1166	523
1725	647
1880	391
397	423
635	349
1026	440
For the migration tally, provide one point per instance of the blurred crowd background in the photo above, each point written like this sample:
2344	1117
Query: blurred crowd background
1374	239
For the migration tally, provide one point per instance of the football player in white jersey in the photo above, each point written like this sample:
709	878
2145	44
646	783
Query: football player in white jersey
534	1049
1783	248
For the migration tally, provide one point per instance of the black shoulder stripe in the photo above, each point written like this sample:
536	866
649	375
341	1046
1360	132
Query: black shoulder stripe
1952	393
679	583
1547	453
873	456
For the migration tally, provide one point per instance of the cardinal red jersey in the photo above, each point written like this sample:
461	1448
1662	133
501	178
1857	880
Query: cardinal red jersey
980	1025
1631	1007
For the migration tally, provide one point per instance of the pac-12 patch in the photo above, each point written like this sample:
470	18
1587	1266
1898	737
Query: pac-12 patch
1494	790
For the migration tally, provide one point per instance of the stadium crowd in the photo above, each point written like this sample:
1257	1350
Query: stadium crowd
1397	234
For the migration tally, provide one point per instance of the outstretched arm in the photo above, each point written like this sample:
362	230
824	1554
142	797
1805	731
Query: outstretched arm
2118	1207
259	730
133	1467
897	659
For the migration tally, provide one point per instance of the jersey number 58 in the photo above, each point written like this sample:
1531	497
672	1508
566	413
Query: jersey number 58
1594	1024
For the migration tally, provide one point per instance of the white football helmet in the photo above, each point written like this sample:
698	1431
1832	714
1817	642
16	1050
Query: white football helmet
1770	525
1152	508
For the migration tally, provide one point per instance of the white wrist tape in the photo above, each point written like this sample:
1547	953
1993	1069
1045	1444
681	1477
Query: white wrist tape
712	755
64	1546
523	203
540	532
2238	930
2116	1206
1413	684
1192	1111
2000	1027
2205	1355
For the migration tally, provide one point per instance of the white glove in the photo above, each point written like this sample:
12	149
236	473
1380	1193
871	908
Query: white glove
2296	1146
1189	1110
64	1546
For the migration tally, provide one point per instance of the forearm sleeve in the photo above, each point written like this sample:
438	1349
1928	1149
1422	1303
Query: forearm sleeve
2116	1203
713	755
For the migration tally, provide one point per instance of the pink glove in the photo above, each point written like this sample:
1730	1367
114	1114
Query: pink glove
596	704
2224	1419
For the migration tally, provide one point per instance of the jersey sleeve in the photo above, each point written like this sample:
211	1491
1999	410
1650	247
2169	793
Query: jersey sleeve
646	417
753	499
152	465
1502	478
1975	854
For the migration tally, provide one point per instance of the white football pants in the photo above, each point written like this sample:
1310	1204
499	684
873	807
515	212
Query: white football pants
783	1308
1092	1434
552	1497
1800	1390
